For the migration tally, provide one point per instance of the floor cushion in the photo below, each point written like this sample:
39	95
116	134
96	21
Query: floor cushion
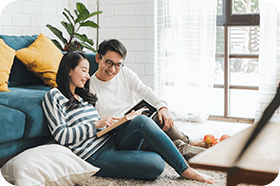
47	165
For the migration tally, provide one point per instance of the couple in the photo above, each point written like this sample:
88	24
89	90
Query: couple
75	115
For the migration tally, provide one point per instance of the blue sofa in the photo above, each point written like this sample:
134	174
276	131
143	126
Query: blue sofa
22	122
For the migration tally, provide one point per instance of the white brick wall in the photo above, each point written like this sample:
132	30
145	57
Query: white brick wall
130	21
28	17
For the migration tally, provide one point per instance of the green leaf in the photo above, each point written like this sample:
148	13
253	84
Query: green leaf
67	17
95	13
81	41
57	44
69	14
82	16
87	46
76	12
83	38
68	27
80	7
90	24
57	32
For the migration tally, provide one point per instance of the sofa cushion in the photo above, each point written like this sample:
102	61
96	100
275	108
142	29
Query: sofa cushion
18	42
42	58
7	55
43	87
19	74
12	124
28	100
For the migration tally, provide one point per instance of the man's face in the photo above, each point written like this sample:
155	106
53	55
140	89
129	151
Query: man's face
105	72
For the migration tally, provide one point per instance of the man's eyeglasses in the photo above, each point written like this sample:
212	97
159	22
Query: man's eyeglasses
110	63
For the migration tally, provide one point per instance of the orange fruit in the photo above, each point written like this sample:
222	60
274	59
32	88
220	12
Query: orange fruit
223	137
216	141
209	138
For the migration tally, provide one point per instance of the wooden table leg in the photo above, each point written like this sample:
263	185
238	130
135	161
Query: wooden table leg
237	176
232	176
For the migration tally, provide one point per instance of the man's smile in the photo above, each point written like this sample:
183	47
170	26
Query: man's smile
109	73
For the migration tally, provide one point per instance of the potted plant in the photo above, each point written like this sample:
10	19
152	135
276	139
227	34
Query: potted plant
76	41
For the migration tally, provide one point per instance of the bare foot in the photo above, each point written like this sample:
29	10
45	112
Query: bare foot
190	173
198	142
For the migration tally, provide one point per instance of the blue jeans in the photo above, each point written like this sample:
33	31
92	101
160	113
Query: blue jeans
120	156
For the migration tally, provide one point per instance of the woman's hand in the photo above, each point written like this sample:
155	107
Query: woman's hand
108	121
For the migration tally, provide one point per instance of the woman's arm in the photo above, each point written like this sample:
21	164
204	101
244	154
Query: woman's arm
67	131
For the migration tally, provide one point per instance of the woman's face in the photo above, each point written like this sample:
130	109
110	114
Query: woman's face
79	75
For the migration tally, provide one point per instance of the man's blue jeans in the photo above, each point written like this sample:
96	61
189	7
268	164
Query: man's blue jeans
120	156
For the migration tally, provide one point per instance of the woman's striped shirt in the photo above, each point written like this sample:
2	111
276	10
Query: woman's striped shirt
72	128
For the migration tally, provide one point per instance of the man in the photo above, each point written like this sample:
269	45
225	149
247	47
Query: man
118	89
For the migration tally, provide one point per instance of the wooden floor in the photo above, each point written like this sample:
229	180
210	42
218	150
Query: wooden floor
197	130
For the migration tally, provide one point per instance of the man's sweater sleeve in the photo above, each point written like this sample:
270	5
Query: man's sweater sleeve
142	91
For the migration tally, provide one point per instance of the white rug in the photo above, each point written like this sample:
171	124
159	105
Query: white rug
168	178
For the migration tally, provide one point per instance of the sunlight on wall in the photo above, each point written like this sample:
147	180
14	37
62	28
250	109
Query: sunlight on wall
3	3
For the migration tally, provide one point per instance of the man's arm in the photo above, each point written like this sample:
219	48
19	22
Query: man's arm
141	91
164	116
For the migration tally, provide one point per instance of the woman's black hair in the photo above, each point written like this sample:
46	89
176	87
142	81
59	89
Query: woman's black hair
112	45
69	61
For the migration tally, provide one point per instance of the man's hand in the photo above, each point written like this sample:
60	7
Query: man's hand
164	116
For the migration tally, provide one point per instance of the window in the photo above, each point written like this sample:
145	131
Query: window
237	51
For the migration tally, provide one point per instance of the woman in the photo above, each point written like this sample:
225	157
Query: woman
74	121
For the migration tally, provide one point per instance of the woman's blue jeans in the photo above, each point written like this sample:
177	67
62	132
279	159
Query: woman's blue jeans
120	156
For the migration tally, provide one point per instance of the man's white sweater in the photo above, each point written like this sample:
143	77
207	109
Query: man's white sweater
117	96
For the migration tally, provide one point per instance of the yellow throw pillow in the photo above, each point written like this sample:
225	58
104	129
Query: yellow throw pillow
7	55
42	58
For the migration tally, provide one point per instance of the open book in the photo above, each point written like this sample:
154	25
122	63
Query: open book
143	107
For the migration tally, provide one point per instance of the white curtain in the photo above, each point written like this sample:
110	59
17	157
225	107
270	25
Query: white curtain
185	56
269	57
